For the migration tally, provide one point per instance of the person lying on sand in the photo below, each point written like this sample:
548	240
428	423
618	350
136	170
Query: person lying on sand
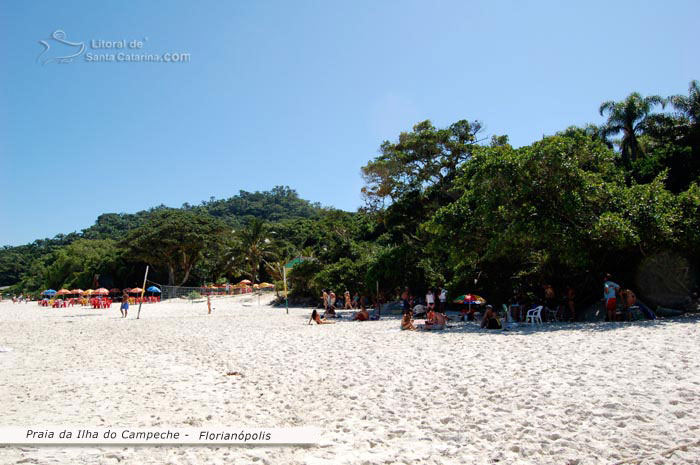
407	322
362	315
315	317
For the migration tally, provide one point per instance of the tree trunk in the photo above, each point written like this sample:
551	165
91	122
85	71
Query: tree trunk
171	275
187	275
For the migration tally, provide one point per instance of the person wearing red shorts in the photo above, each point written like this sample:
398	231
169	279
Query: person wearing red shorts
610	290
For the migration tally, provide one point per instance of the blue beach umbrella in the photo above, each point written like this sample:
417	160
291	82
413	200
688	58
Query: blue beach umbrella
153	289
49	292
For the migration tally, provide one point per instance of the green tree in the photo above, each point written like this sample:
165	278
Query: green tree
629	117
75	265
424	158
175	240
257	247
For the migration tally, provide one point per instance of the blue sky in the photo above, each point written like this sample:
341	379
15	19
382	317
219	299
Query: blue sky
297	93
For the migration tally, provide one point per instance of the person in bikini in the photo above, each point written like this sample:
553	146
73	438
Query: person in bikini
315	317
348	301
407	322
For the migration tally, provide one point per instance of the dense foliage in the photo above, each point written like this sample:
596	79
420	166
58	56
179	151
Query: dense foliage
443	206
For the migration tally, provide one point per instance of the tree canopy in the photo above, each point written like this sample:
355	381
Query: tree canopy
443	206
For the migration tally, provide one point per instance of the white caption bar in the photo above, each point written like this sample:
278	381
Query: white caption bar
209	435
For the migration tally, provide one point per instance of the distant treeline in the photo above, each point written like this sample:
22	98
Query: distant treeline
443	206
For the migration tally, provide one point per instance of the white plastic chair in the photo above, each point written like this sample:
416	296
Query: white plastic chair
534	316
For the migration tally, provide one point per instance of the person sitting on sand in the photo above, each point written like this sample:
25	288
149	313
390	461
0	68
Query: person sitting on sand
315	317
362	315
407	322
490	320
434	321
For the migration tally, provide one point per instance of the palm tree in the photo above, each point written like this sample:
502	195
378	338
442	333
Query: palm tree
629	117
688	107
256	245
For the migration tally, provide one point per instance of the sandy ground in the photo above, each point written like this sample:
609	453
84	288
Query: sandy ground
561	394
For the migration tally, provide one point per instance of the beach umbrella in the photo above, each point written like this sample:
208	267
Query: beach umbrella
115	290
136	290
63	292
101	291
77	291
469	299
49	292
246	281
266	285
89	292
153	289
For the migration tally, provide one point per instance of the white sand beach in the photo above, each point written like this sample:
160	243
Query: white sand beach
559	394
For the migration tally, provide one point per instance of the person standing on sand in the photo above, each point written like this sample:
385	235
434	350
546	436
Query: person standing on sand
208	305
443	300
325	300
610	290
629	299
124	308
348	301
430	299
550	300
405	305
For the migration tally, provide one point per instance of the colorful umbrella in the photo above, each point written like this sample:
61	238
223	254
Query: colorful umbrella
89	292
101	291
153	289
49	292
77	291
114	290
469	299
63	292
246	281
266	285
136	290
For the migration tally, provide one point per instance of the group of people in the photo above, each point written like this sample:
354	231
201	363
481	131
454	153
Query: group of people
332	302
611	290
433	307
562	307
